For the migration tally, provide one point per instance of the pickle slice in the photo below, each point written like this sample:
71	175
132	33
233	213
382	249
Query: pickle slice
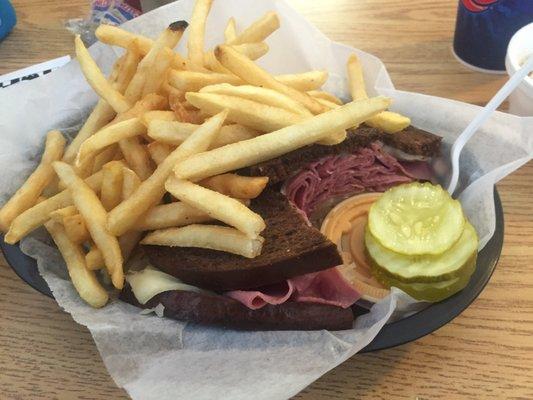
424	268
432	292
416	218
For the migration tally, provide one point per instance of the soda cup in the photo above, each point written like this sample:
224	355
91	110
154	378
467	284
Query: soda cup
484	28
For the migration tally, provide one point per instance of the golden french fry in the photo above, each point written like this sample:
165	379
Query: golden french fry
105	156
328	104
136	157
40	199
75	228
230	32
99	117
231	134
115	36
305	81
148	103
232	185
217	206
109	135
159	151
251	50
97	80
130	182
195	45
128	67
259	30
250	72
175	132
184	114
171	215
61	213
245	112
27	195
192	81
389	122
334	138
208	237
36	216
83	280
356	81
95	216
320	94
259	94
111	191
152	68
265	147
170	132
126	214
157	115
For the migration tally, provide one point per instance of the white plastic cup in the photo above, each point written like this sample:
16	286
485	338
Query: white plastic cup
520	47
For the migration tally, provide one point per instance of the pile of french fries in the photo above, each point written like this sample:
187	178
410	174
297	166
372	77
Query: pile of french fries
169	124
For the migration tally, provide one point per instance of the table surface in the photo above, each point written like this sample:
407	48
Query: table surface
487	352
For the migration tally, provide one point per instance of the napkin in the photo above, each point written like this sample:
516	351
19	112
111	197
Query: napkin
155	358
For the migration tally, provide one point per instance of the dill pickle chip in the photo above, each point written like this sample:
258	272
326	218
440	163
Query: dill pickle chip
416	218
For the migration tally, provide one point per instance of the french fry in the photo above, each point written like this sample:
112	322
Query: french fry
306	81
130	182
159	151
186	115
115	36
149	74
60	214
75	228
208	237
271	145
259	94
230	32
259	30
109	135
105	156
328	104
231	134
136	156
95	217
232	185
27	195
171	215
192	81
195	45
252	50
128	67
356	81
250	72
94	259
126	214
83	280
111	191
175	132
149	116
387	121
320	94
97	80
245	112
217	206
148	103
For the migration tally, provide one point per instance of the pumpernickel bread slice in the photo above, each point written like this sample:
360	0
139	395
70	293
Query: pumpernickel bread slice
211	309
411	140
291	248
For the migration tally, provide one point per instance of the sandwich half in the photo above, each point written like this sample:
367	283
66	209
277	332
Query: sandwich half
294	283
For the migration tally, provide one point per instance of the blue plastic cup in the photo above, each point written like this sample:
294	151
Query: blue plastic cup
8	19
485	27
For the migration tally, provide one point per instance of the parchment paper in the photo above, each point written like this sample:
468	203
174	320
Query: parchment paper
155	358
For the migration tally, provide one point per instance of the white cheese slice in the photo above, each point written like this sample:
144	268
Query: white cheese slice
150	282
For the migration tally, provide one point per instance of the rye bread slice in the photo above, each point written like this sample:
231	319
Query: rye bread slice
411	140
291	248
209	309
